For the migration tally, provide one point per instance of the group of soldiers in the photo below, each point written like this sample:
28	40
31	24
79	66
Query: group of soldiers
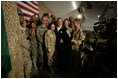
50	43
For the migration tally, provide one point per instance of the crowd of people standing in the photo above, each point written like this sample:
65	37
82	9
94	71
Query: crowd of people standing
50	43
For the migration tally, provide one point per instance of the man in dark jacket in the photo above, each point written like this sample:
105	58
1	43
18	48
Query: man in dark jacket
59	43
63	42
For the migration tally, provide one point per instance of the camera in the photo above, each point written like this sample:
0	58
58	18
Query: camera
104	27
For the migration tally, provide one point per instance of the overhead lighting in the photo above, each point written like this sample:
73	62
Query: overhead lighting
74	4
79	16
99	16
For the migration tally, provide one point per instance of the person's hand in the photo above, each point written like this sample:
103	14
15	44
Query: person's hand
72	40
61	41
49	51
29	49
91	49
32	31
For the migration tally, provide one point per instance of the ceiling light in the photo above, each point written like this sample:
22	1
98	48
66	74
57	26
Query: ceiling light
99	16
74	4
79	16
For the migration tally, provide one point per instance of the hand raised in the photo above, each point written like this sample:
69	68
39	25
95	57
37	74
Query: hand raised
61	41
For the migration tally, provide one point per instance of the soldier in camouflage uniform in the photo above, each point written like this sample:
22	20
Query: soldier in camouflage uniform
33	42
25	46
50	41
77	38
40	37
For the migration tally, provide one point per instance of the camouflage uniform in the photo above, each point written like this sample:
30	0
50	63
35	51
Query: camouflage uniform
50	41
25	45
33	42
40	36
78	36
